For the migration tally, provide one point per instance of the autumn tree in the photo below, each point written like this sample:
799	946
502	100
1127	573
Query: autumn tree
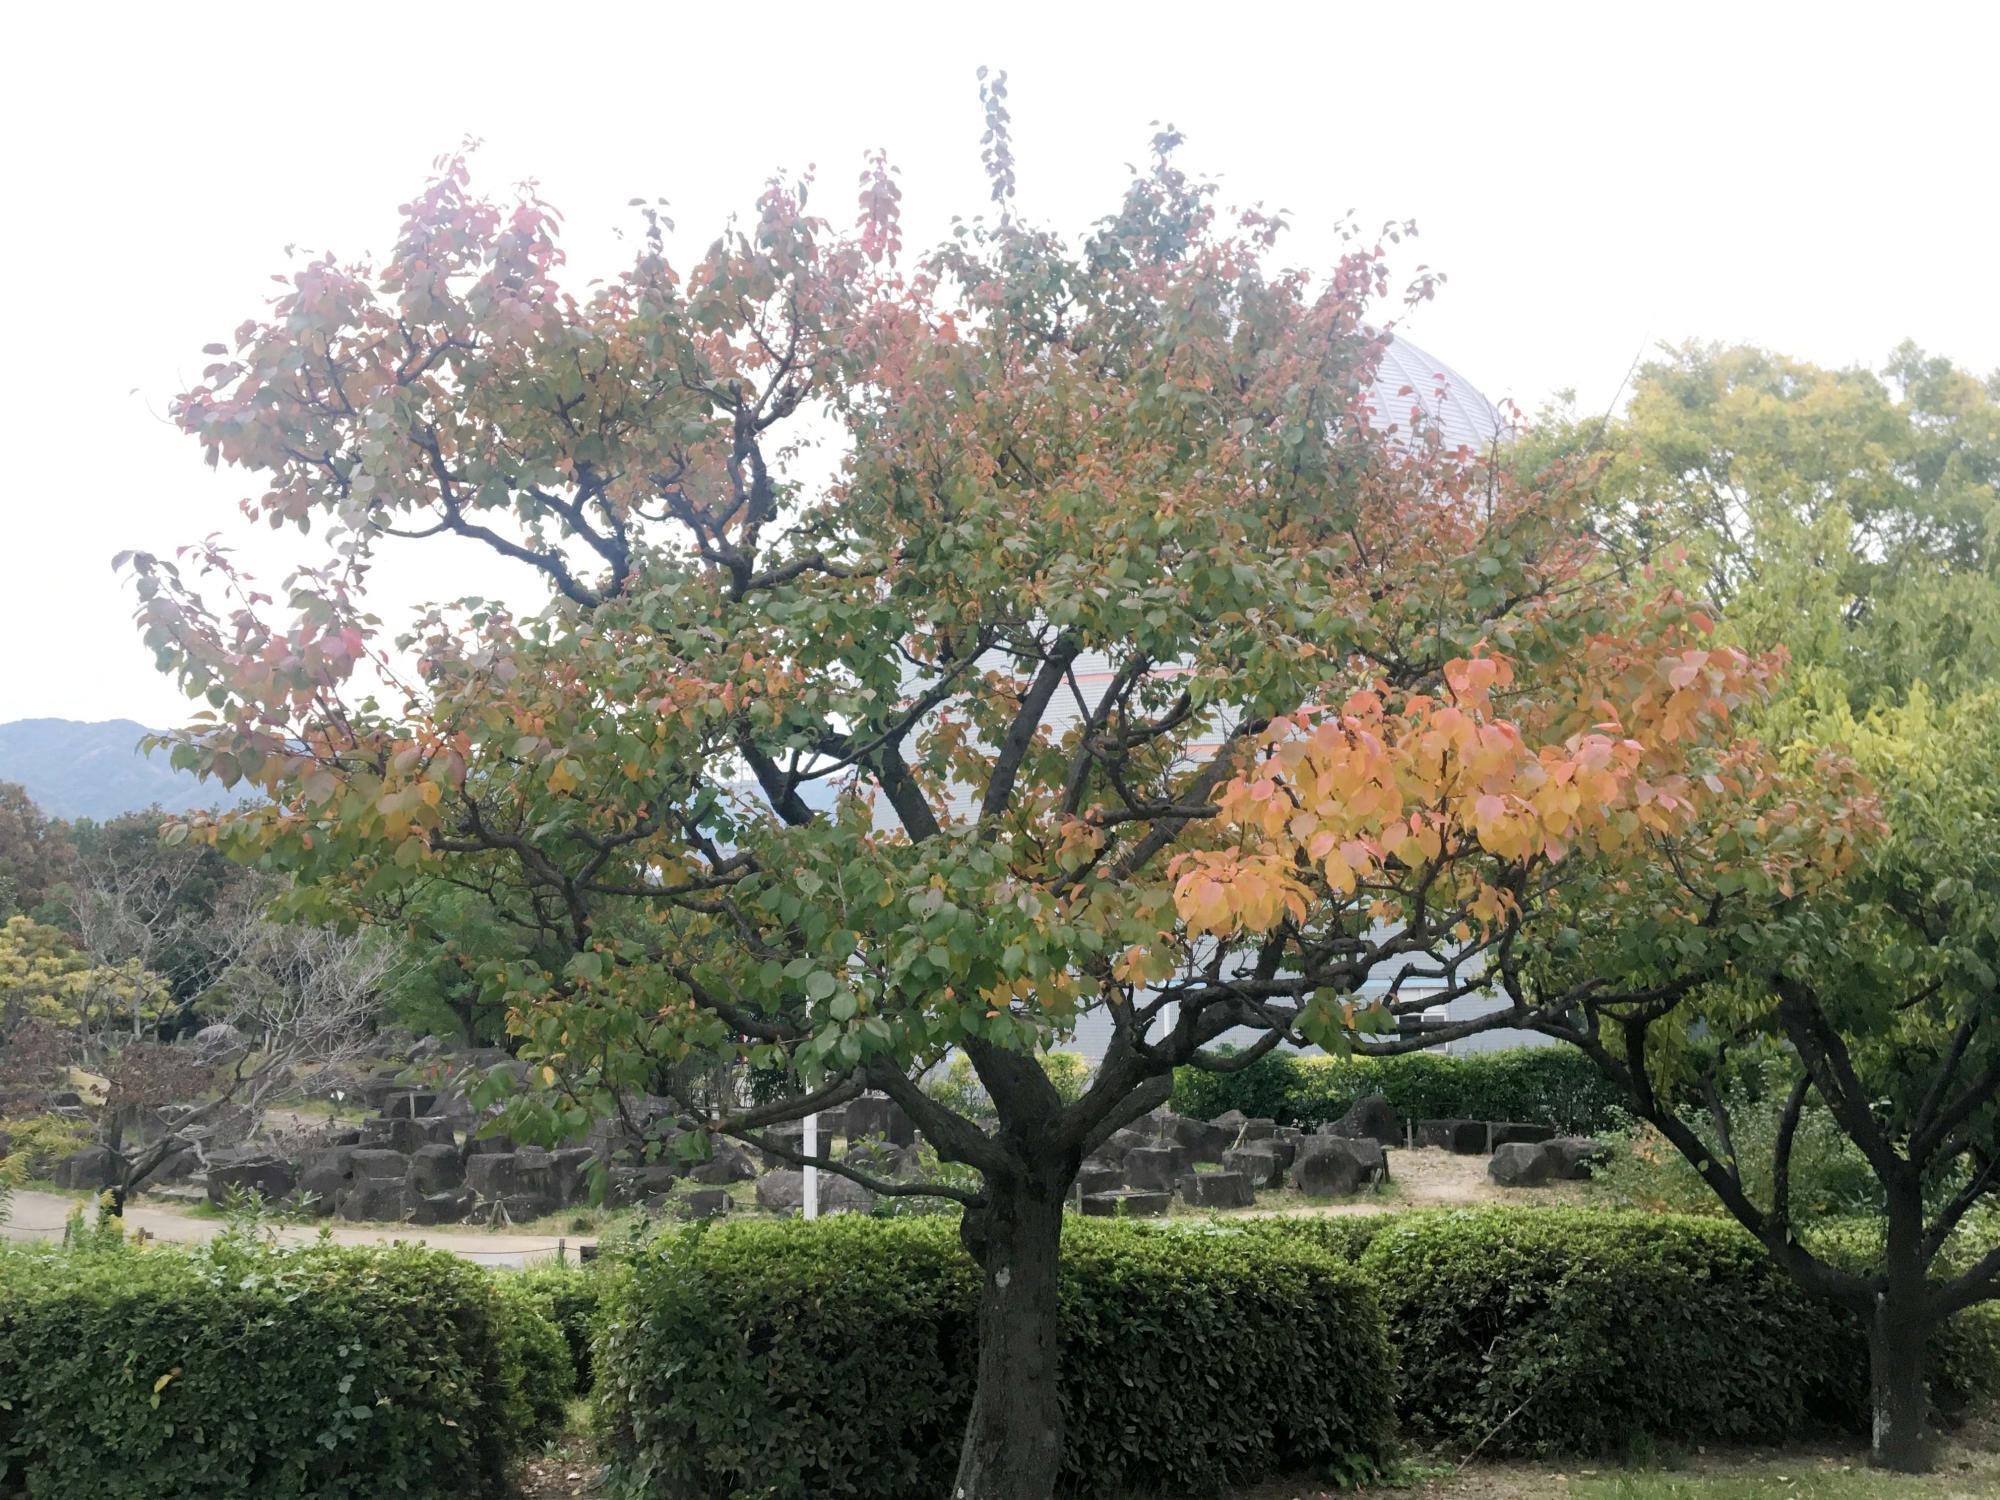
914	643
35	857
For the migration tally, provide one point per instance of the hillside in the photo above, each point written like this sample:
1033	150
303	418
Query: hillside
78	770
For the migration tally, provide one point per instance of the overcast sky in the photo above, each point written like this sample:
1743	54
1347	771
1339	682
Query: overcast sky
1593	179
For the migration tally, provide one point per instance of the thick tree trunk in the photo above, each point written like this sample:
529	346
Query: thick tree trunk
1014	1438
1901	1435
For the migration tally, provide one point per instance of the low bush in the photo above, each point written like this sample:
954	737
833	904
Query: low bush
1547	1085
835	1358
539	1371
1541	1331
577	1300
239	1370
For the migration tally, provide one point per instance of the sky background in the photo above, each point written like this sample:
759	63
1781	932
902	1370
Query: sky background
1593	180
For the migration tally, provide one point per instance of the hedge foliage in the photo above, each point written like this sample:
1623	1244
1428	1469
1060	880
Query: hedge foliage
238	1370
835	1358
1582	1331
1543	1085
577	1300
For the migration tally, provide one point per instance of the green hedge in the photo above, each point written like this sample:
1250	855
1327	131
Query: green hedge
241	1371
1545	1085
577	1300
835	1358
1582	1331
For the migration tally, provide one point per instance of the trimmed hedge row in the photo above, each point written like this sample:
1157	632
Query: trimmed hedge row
792	1360
1545	1085
237	1370
1561	1330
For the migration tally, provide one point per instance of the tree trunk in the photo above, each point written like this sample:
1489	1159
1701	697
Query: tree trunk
1899	1327
1014	1438
1897	1334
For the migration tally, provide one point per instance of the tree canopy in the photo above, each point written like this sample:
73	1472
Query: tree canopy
936	651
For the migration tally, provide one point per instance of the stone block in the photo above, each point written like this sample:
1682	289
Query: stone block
1333	1167
1572	1157
1130	1203
569	1171
1463	1137
408	1104
1520	1164
90	1170
1258	1164
449	1207
436	1169
408	1134
377	1162
1155	1169
1512	1132
1369	1118
1217	1190
878	1114
377	1198
702	1203
727	1162
270	1177
1093	1180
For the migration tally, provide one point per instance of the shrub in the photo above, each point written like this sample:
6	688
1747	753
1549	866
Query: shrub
1567	1330
577	1300
1552	1085
237	1370
835	1358
1830	1178
43	1139
538	1373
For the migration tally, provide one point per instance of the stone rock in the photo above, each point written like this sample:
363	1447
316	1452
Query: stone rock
1119	1142
832	1122
1258	1165
1572	1157
1369	1118
377	1162
1130	1203
631	1186
490	1145
784	1192
1217	1190
90	1170
408	1104
1243	1129
324	1176
569	1171
1203	1142
1286	1148
407	1134
1464	1137
213	1043
1092	1180
1155	1169
1520	1164
436	1169
791	1134
270	1177
178	1166
727	1162
880	1158
1510	1132
450	1207
379	1198
1333	1167
878	1114
702	1203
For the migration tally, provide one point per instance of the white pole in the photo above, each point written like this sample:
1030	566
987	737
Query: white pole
812	1172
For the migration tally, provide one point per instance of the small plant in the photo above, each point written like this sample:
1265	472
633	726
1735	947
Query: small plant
13	1171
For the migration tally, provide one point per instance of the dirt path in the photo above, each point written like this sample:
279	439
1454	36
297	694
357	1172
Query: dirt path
39	1216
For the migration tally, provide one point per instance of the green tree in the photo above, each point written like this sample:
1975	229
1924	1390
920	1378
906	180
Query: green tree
1849	516
838	767
1875	1000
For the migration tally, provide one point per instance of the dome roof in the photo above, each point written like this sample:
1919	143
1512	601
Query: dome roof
1408	378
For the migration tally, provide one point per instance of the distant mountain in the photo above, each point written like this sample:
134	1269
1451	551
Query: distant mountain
77	770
